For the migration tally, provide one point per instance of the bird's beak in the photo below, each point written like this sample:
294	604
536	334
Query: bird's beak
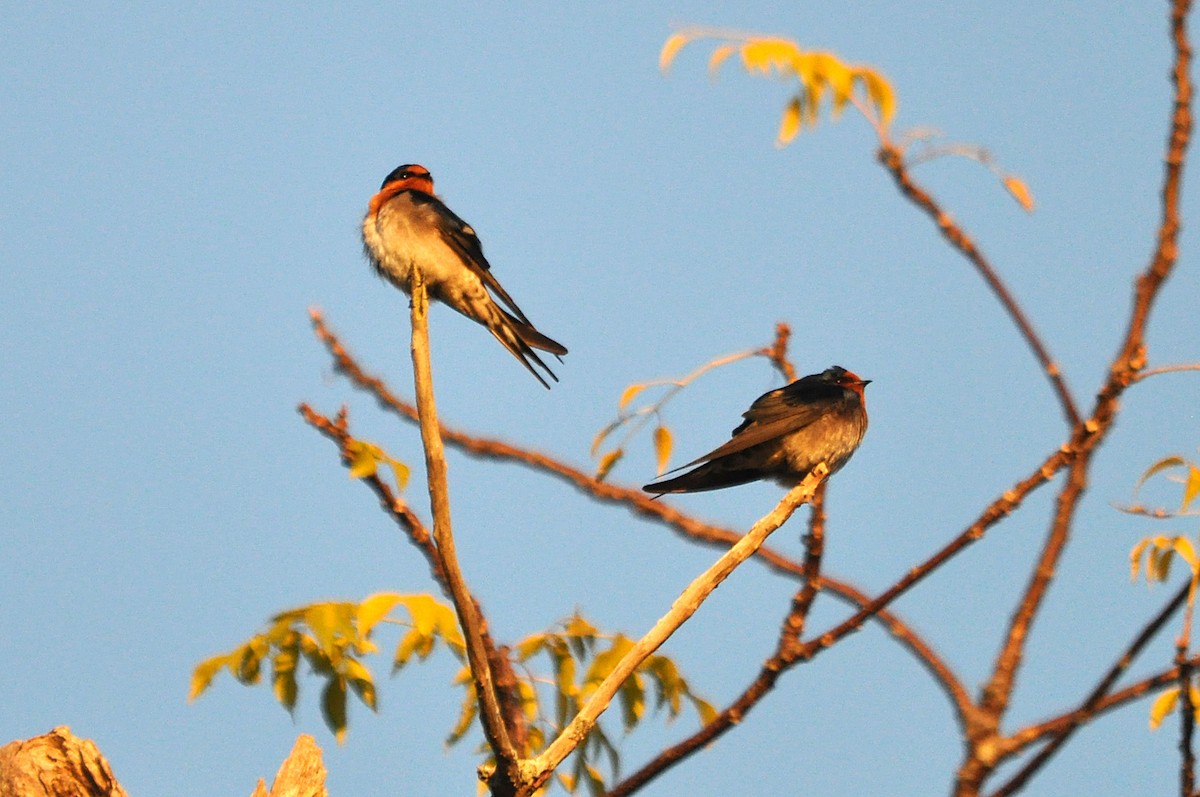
864	382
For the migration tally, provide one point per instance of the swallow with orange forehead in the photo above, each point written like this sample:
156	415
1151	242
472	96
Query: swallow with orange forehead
786	433
407	225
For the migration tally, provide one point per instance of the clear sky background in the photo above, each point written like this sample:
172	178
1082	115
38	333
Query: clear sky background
180	185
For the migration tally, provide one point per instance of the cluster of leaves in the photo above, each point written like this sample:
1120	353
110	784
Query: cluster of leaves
635	421
1158	552
365	459
579	657
333	637
819	75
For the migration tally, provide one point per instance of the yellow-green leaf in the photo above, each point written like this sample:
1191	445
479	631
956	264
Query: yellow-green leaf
662	447
1191	488
607	462
283	679
333	707
1135	558
706	710
670	49
629	394
1016	186
789	126
361	682
633	701
603	433
1187	552
530	646
1158	467
204	673
465	717
1159	568
423	610
374	608
364	459
879	92
718	57
529	699
405	649
400	471
1163	705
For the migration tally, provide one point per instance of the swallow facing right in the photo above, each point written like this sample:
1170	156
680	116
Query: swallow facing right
407	225
786	433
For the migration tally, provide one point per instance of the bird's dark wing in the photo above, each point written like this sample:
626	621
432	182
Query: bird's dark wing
773	415
462	239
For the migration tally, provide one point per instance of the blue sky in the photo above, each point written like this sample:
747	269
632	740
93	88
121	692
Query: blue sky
181	185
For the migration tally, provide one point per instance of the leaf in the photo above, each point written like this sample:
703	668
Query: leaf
400	471
465	717
607	462
671	48
789	126
1158	467
706	710
1191	489
1135	558
204	673
1016	186
629	394
361	682
718	57
662	447
423	610
1183	546
406	648
333	707
373	609
283	678
603	433
530	646
364	459
329	621
1159	567
879	92
1163	705
633	701
248	666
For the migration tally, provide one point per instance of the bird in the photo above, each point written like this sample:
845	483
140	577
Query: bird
786	433
408	225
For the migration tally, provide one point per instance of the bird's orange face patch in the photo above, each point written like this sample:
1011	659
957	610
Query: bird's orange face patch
852	381
418	181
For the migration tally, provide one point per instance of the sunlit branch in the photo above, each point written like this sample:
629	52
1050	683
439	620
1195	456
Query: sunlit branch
682	609
490	712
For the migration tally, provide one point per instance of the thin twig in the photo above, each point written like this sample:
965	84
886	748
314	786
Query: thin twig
490	713
1166	369
892	159
338	430
1187	722
683	608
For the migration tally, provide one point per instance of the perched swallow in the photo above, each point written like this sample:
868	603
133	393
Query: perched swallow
787	432
407	225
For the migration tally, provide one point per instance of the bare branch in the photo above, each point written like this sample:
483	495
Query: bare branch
1094	703
893	160
478	655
